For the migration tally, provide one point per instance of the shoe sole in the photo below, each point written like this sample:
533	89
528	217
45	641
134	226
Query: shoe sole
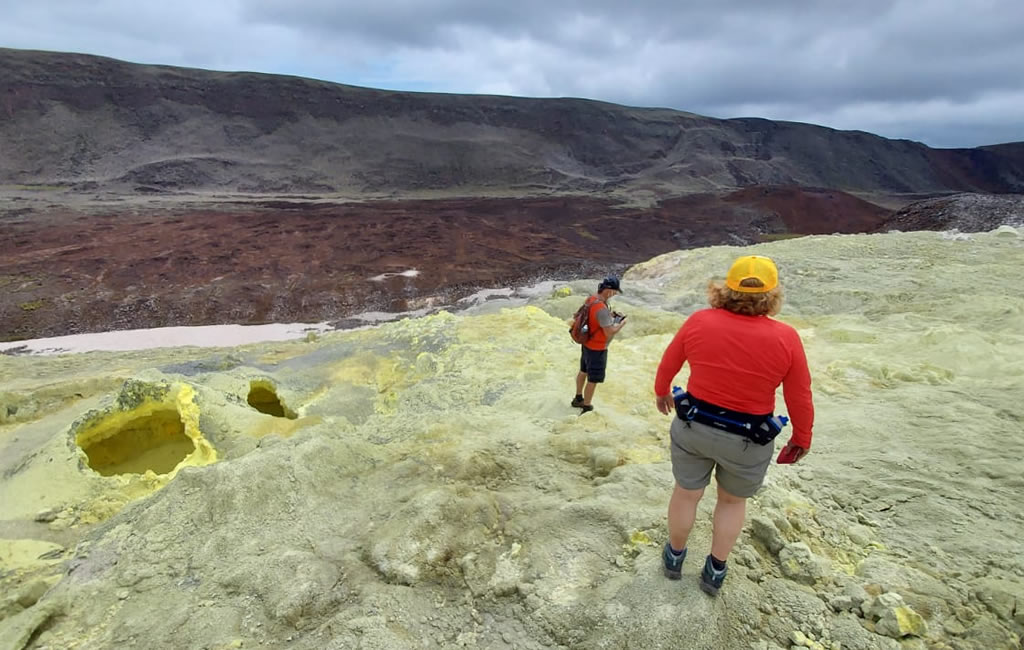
673	575
708	588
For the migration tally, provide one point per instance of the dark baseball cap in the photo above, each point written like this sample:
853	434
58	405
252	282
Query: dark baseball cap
611	282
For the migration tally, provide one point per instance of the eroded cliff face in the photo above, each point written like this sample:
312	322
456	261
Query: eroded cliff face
96	123
425	483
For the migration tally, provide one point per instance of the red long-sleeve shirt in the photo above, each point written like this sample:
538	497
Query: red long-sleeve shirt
737	362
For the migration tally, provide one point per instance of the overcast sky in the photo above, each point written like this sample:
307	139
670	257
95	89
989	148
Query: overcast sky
948	73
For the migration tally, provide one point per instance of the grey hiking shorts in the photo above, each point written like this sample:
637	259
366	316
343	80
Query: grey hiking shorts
739	464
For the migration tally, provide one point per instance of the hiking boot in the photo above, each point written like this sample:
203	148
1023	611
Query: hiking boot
673	562
711	579
586	408
577	401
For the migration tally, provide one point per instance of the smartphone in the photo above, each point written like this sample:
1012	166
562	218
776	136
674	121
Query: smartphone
787	455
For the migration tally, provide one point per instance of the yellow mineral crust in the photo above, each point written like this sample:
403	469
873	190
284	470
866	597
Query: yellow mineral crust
28	554
438	476
155	437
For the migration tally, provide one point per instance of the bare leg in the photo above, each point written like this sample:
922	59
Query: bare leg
682	510
588	393
581	379
730	512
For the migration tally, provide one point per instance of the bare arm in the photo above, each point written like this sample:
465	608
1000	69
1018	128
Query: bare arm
607	322
612	330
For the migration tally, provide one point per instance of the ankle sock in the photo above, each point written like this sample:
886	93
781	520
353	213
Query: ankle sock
579	396
673	550
718	565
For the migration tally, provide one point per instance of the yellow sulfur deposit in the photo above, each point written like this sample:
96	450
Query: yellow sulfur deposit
437	489
157	433
20	554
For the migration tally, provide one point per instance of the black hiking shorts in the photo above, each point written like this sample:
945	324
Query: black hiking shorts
593	362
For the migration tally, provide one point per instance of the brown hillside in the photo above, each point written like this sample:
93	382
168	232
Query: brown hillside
812	211
104	267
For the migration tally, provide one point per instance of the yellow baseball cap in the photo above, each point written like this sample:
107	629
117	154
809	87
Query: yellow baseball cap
752	266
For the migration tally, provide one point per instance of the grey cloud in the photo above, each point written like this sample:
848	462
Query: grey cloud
425	23
823	53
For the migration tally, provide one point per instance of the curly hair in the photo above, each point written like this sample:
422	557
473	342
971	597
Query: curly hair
748	304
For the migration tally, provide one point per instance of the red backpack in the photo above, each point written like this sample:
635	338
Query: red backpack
579	327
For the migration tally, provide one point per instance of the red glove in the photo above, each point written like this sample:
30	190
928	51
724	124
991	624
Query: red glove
791	454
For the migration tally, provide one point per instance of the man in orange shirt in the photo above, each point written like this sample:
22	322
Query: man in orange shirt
603	325
738	356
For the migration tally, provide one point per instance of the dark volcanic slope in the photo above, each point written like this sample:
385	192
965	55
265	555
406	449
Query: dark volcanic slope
963	212
94	122
64	271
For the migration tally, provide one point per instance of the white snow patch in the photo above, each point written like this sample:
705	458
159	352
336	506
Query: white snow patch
205	336
410	273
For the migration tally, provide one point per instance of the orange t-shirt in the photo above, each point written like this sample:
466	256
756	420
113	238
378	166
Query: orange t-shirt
598	339
737	362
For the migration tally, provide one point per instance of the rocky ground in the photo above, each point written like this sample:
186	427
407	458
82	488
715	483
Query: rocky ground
425	483
74	265
963	212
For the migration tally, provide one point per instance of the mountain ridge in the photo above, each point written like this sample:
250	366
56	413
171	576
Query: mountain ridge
91	123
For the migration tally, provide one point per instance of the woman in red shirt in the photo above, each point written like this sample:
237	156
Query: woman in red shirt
738	356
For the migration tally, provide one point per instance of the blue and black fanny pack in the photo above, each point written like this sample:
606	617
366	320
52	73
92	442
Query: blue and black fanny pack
759	429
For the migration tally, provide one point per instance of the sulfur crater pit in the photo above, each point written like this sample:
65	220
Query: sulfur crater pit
154	442
263	397
150	429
